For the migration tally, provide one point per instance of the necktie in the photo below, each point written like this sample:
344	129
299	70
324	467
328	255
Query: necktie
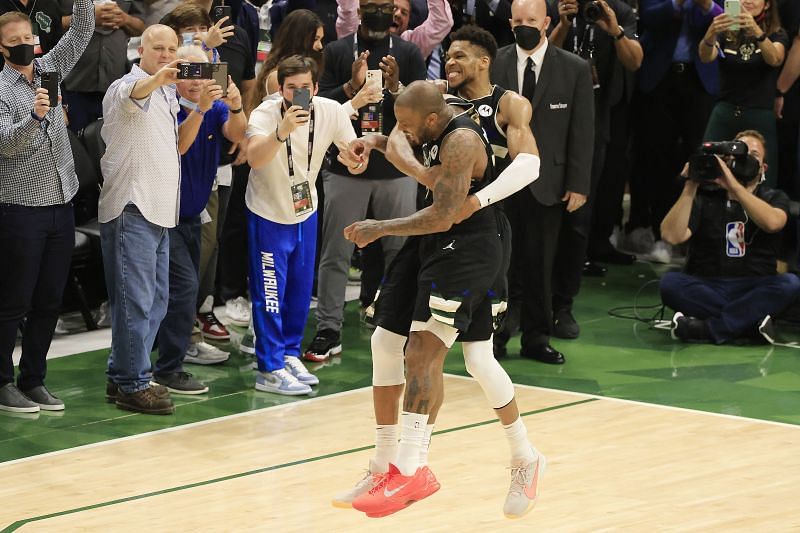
529	80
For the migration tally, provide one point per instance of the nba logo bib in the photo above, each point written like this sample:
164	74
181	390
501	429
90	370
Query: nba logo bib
734	235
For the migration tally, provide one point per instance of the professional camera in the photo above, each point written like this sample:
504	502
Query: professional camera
195	71
704	166
591	9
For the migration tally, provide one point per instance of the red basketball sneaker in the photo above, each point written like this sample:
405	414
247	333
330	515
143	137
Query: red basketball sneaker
396	492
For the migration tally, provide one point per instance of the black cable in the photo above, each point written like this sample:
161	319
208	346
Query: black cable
622	311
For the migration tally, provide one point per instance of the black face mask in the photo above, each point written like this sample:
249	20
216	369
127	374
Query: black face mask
527	37
378	21
21	54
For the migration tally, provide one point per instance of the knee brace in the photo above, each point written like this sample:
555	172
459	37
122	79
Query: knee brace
447	334
388	358
493	379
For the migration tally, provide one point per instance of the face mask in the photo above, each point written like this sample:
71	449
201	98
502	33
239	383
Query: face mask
21	54
527	37
188	104
378	21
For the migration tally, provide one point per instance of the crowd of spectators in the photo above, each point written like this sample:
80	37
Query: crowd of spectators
210	194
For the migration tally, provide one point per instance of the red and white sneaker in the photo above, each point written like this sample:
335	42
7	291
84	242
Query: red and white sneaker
212	328
395	492
524	490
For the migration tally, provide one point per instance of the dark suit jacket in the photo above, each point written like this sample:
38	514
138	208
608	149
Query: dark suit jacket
660	29
563	120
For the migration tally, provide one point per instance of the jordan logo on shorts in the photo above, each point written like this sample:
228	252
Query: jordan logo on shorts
451	246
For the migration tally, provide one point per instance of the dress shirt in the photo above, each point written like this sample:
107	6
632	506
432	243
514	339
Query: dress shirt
522	61
141	164
36	165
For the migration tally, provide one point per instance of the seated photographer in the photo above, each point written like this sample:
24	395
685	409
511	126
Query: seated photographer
730	282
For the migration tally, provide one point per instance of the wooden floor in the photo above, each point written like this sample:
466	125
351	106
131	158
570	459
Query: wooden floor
613	465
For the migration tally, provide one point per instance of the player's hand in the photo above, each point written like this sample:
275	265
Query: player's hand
391	73
217	34
41	103
470	207
574	201
355	155
294	117
364	232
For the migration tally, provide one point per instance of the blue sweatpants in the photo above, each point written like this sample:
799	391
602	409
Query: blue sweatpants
731	307
281	276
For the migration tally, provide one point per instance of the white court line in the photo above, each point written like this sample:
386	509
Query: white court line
647	404
354	391
177	428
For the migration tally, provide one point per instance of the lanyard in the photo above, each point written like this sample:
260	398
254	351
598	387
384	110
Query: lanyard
355	46
289	159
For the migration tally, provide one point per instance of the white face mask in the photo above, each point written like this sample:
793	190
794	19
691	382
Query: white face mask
188	104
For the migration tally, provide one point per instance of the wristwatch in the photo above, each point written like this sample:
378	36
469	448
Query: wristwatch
400	88
761	38
620	35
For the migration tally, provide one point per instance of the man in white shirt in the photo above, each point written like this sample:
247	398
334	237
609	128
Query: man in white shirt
287	144
138	203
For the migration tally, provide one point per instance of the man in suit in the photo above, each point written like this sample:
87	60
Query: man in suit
675	92
559	86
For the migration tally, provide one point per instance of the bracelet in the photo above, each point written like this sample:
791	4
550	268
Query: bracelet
199	111
278	136
620	35
400	88
353	90
761	38
235	111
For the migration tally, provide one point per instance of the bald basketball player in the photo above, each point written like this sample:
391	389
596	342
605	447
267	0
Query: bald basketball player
459	268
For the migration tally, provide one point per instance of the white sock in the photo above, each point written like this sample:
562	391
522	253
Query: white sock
385	447
426	445
412	431
517	435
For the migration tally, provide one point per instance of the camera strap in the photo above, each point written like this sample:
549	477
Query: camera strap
578	47
289	160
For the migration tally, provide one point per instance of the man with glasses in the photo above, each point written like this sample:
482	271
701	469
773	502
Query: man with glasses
382	187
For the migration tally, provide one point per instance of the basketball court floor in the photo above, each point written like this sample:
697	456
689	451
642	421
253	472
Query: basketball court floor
641	434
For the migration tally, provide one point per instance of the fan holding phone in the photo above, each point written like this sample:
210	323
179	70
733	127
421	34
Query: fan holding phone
749	45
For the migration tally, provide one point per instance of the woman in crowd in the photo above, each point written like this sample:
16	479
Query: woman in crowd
751	49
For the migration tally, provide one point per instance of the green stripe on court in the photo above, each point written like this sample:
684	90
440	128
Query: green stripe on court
18	524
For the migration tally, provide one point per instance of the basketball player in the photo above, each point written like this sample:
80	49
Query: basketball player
467	262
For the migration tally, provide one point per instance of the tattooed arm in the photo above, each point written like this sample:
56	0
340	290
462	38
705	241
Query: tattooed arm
460	154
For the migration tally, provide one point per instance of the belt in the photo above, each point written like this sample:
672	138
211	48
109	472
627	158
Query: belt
680	68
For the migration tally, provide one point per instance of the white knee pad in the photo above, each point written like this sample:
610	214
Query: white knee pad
493	379
388	358
446	334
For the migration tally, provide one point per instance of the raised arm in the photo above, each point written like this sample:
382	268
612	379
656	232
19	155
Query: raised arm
71	46
428	35
346	17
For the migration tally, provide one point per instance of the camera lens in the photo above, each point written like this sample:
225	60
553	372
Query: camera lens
592	11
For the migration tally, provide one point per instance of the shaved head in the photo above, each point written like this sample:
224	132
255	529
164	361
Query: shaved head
529	9
158	48
423	97
156	32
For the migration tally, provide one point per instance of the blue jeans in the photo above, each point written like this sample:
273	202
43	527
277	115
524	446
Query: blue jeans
281	276
184	280
731	307
136	261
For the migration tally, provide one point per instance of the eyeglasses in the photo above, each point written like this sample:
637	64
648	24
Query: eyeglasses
387	9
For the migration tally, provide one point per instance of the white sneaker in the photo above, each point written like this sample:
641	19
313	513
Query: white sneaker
202	353
661	253
296	367
280	382
524	490
638	241
238	311
344	500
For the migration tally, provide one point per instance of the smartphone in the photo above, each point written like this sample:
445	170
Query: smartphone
302	97
50	82
194	71
220	76
218	12
733	8
375	78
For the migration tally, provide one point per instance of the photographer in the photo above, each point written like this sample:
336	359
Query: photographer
730	283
